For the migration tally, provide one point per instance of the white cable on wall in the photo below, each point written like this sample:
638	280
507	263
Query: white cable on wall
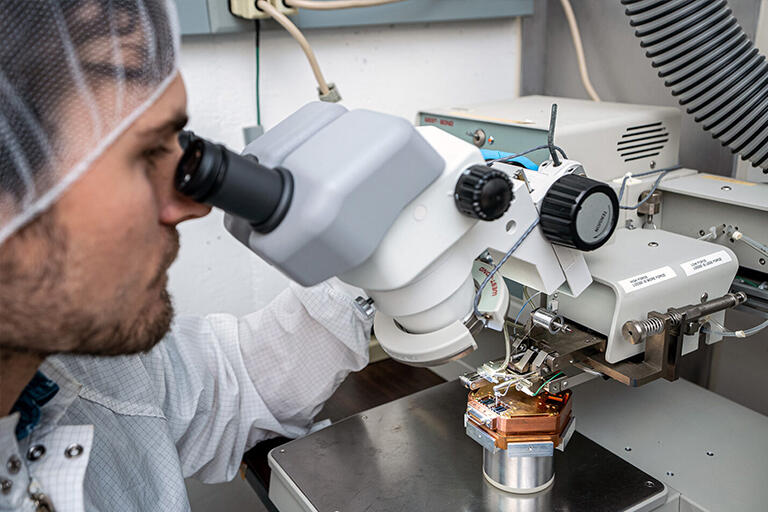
292	29
336	4
576	36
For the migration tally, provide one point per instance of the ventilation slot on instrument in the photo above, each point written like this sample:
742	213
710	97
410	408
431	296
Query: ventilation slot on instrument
643	141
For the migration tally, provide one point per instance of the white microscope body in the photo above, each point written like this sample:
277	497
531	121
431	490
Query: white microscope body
418	220
421	276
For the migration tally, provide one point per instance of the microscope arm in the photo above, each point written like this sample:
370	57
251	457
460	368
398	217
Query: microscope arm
405	212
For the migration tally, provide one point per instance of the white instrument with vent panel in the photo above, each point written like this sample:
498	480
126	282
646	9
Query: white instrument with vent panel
609	139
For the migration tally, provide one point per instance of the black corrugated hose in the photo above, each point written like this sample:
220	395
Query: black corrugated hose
712	67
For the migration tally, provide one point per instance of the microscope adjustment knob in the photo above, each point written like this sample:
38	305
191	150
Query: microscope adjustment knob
579	212
483	193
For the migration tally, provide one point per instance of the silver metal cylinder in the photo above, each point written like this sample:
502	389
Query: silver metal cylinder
496	500
547	319
521	475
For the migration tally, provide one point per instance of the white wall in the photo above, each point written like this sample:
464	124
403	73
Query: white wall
393	69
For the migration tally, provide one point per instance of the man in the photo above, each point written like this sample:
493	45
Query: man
91	104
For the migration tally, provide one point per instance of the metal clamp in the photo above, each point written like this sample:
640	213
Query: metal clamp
541	449
663	335
479	436
365	306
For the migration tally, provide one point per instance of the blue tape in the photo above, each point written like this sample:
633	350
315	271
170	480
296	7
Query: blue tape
492	154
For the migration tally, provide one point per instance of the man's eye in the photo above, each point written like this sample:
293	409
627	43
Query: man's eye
151	155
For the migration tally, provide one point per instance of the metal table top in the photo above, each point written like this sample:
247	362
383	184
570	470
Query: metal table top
413	455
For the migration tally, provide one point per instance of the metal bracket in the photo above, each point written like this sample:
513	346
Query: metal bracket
365	306
663	335
479	436
541	449
567	433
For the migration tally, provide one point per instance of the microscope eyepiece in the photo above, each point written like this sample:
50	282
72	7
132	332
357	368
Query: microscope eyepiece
210	173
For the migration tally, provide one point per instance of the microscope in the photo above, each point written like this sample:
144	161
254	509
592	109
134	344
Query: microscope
437	236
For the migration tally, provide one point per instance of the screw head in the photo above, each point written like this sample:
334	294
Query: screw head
35	452
653	244
13	465
670	473
5	486
73	451
710	454
726	188
704	297
282	450
627	448
762	261
649	484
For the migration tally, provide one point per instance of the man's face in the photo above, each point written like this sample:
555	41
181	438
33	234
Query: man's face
89	276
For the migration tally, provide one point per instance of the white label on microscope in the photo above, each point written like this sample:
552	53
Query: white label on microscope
706	262
647	279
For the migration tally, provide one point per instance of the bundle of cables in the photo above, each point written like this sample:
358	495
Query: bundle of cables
326	90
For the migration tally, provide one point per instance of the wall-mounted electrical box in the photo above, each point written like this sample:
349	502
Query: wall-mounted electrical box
213	16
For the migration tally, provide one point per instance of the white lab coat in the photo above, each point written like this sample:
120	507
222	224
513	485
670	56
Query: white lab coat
213	388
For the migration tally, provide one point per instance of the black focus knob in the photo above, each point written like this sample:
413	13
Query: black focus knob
483	193
579	212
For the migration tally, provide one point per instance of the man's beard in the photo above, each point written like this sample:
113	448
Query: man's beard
38	315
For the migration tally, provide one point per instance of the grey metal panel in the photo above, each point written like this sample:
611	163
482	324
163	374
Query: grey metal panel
694	203
721	190
415	11
535	37
669	428
223	21
218	19
738	366
193	16
413	455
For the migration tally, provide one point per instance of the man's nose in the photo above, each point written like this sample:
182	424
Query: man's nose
180	208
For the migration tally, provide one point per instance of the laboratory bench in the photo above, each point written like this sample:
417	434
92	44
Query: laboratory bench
378	383
677	446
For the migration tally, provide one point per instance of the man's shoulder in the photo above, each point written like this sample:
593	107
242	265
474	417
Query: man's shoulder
123	384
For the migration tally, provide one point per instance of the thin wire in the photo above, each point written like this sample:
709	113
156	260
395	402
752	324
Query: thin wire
514	327
586	369
754	244
662	172
336	4
754	284
526	152
498	266
258	72
741	333
508	351
547	382
292	29
508	383
577	44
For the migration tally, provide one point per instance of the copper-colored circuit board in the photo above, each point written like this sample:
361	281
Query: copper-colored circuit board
517	417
